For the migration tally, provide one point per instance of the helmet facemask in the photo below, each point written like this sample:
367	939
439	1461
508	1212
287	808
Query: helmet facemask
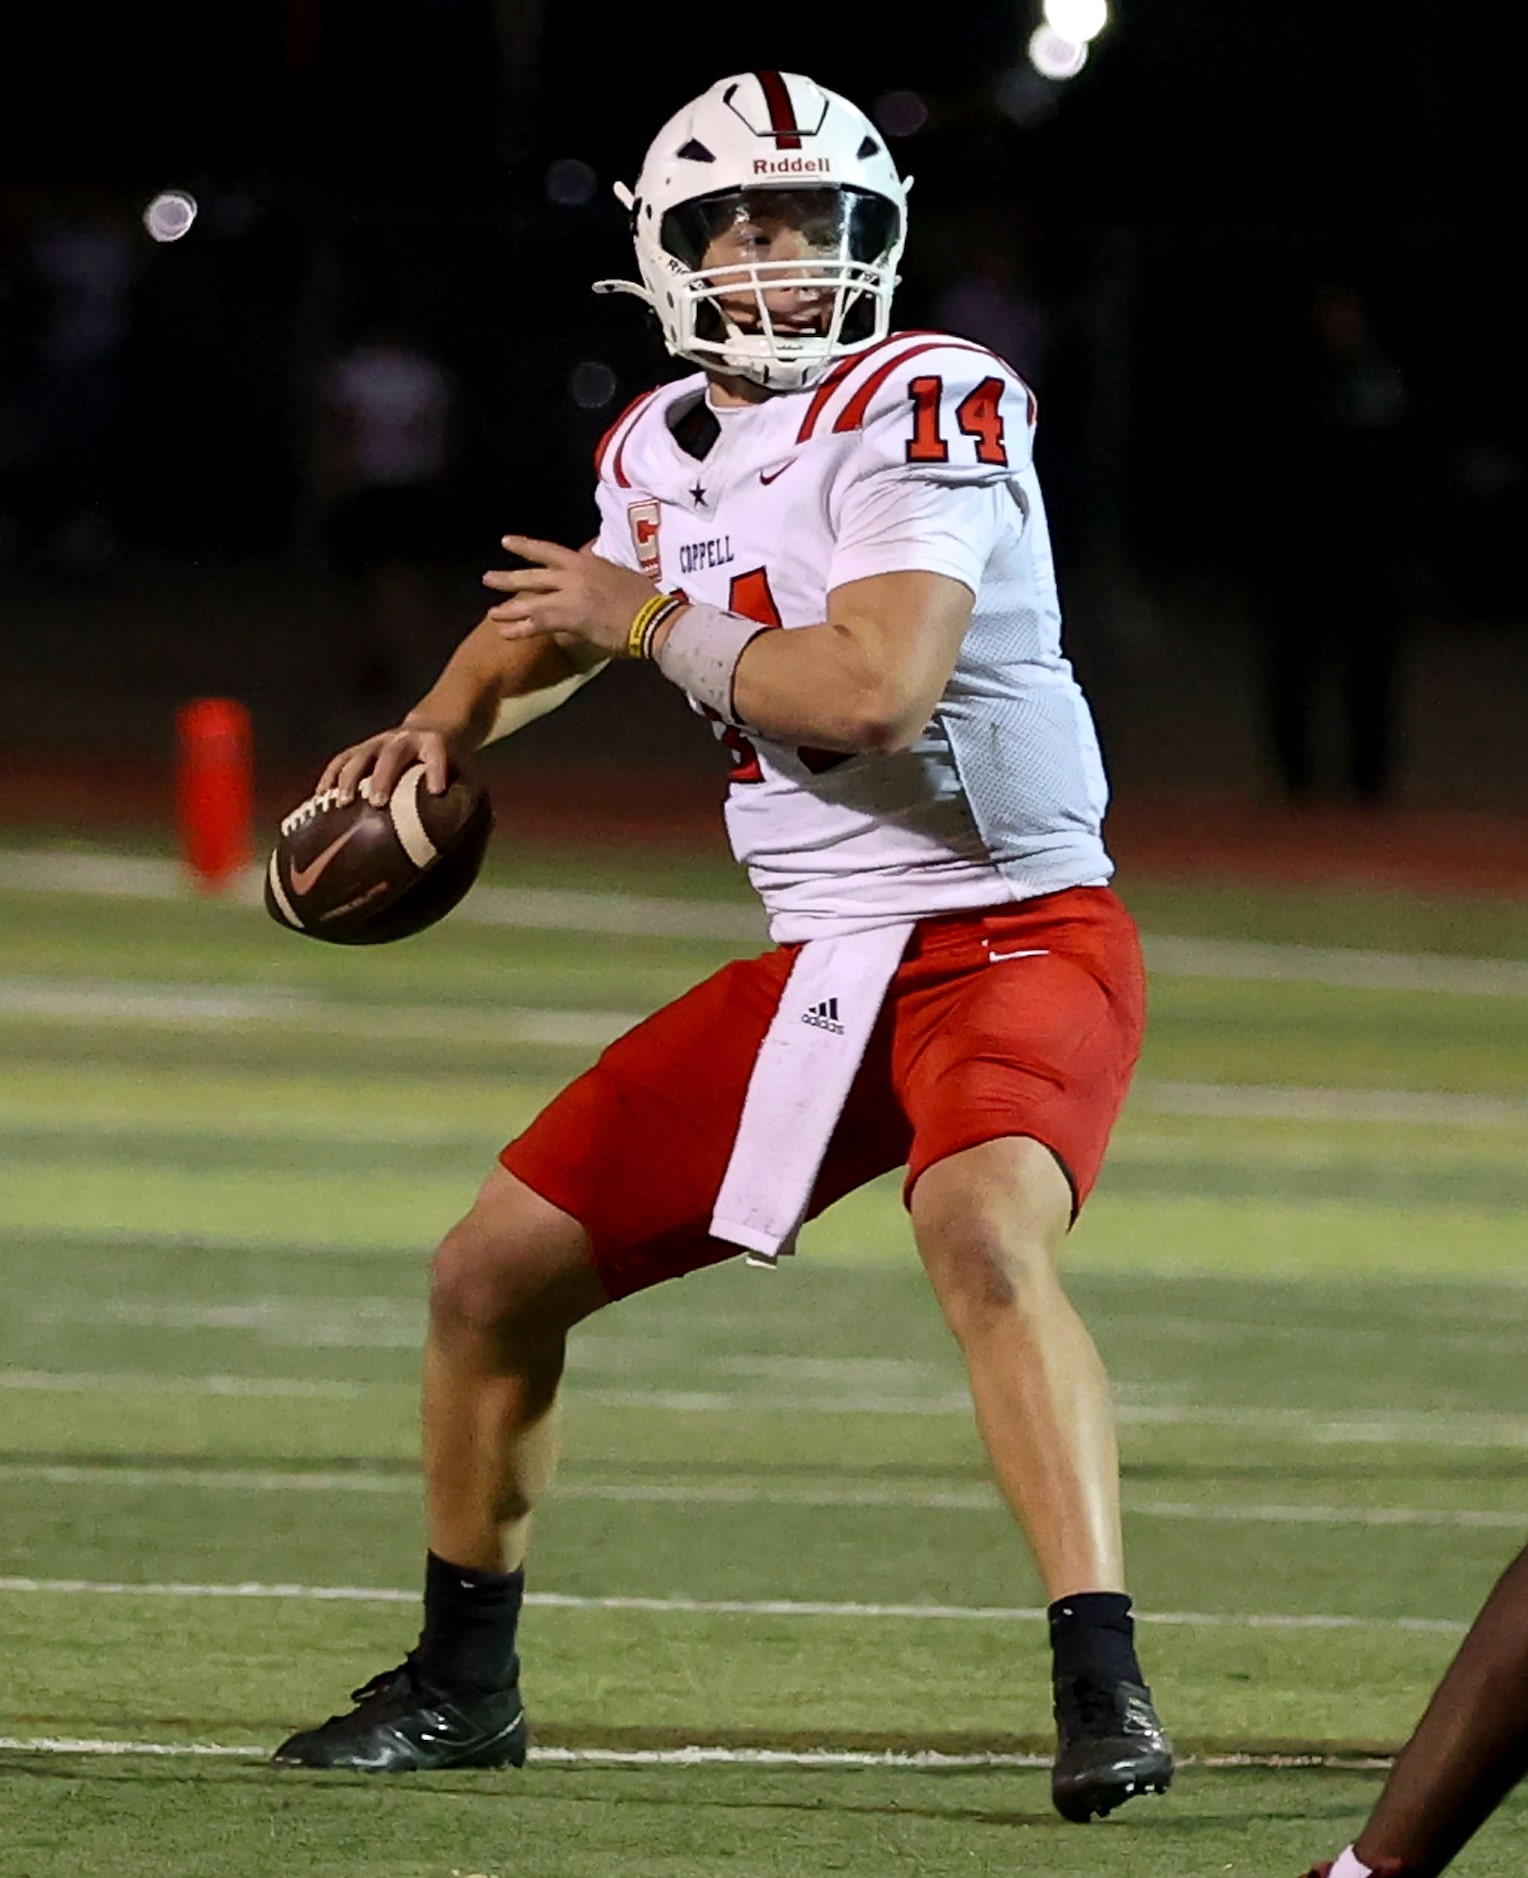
742	306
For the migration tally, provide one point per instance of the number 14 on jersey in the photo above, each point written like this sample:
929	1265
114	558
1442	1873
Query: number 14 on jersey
979	415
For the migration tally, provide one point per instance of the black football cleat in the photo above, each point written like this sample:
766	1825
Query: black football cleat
1109	1747
402	1724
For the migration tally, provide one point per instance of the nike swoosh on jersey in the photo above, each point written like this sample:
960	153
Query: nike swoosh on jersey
1033	952
303	878
772	475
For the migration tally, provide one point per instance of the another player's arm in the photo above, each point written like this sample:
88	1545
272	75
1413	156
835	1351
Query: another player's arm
866	679
487	689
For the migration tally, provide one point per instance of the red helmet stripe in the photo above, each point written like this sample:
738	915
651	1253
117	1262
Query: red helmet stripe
782	113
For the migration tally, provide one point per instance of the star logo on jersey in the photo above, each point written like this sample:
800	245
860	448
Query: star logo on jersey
698	496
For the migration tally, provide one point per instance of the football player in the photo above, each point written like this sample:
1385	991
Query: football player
831	537
1468	1752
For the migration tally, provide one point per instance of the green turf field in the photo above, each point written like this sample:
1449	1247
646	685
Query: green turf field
773	1560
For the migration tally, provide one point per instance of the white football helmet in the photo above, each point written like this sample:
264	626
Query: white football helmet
771	147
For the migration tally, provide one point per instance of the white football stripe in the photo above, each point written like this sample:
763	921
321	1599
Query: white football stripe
408	823
279	893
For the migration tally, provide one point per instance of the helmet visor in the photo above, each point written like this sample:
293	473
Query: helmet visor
739	227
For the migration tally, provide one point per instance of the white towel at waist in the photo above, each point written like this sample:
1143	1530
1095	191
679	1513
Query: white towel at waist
799	1085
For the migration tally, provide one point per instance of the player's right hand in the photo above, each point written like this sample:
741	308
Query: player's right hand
379	761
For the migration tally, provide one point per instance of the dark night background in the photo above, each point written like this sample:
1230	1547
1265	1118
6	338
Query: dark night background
1167	215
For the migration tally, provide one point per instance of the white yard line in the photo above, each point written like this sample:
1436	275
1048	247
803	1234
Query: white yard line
1345	968
1296	1515
1445	1428
625	915
342	1130
107	876
728	1607
172	1750
91	1382
215	1244
143	877
136	1004
184	1008
1266	1102
133	1003
1418	1427
980	1500
129	1001
929	1760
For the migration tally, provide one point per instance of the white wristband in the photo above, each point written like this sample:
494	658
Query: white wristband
701	652
1350	1865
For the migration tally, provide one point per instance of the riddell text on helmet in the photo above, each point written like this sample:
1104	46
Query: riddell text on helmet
792	166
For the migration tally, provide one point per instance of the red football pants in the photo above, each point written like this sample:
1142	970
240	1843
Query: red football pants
1021	1020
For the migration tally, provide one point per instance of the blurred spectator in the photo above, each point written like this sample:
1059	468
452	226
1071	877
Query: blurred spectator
72	309
382	469
1336	549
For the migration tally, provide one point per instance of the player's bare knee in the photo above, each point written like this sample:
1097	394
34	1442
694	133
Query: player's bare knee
474	1284
985	1276
511	1268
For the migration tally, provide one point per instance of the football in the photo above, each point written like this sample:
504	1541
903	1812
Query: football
359	875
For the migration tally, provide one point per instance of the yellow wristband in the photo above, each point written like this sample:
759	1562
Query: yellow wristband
638	629
650	615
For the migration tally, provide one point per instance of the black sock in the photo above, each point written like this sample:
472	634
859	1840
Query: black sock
1093	1635
470	1619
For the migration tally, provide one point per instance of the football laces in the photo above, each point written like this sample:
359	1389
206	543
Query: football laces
305	811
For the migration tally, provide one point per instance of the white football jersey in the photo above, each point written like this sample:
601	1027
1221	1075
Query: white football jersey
912	455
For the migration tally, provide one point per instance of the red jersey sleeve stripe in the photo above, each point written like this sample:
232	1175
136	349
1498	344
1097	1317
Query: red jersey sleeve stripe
853	413
601	449
782	113
839	373
823	392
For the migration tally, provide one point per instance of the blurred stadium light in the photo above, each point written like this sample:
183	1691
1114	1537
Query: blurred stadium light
1077	21
170	214
1055	57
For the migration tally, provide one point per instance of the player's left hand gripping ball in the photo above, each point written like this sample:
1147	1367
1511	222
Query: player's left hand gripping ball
358	875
